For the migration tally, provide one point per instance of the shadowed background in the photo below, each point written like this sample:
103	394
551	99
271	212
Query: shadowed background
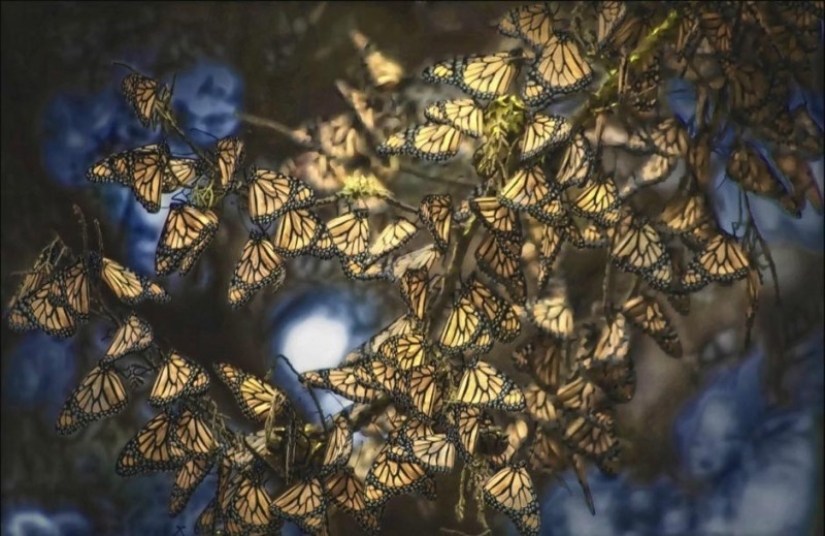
713	452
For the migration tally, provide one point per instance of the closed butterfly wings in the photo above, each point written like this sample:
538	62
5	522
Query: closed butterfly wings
177	377
100	394
259	266
271	194
186	234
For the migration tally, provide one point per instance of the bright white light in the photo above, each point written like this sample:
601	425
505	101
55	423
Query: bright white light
315	342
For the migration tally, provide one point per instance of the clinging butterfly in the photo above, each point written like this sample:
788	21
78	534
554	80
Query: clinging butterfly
431	142
230	154
272	193
436	214
185	235
255	397
100	394
481	77
259	266
511	491
147	96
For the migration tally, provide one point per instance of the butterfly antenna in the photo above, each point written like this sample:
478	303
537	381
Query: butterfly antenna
127	66
310	389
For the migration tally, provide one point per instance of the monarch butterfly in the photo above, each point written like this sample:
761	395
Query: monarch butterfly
498	218
590	435
259	266
655	169
151	449
685	212
148	98
553	314
577	163
430	142
74	292
365	110
611	16
667	138
436	213
511	491
540	405
463	327
721	260
392	473
386	377
598	201
500	260
641	85
297	232
350	233
560	67
589	236
645	313
637	247
543	133
126	285
423	390
481	77
464	425
187	479
185	235
304	504
434	452
461	114
414	286
181	172
394	236
47	261
363	271
545	363
532	23
501	447
323	247
407	352
113	168
230	155
338	446
483	385
193	435
351	382
206	521
177	377
148	169
527	188
610	365
579	395
249	507
100	394
799	174
420	258
41	309
272	193
502	320
255	397
346	491
748	169
549	241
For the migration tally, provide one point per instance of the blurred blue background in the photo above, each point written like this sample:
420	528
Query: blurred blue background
745	466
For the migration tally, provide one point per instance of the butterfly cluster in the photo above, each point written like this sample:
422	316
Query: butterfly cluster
475	273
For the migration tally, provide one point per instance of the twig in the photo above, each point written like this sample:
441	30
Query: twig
763	245
311	392
443	180
277	127
399	204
